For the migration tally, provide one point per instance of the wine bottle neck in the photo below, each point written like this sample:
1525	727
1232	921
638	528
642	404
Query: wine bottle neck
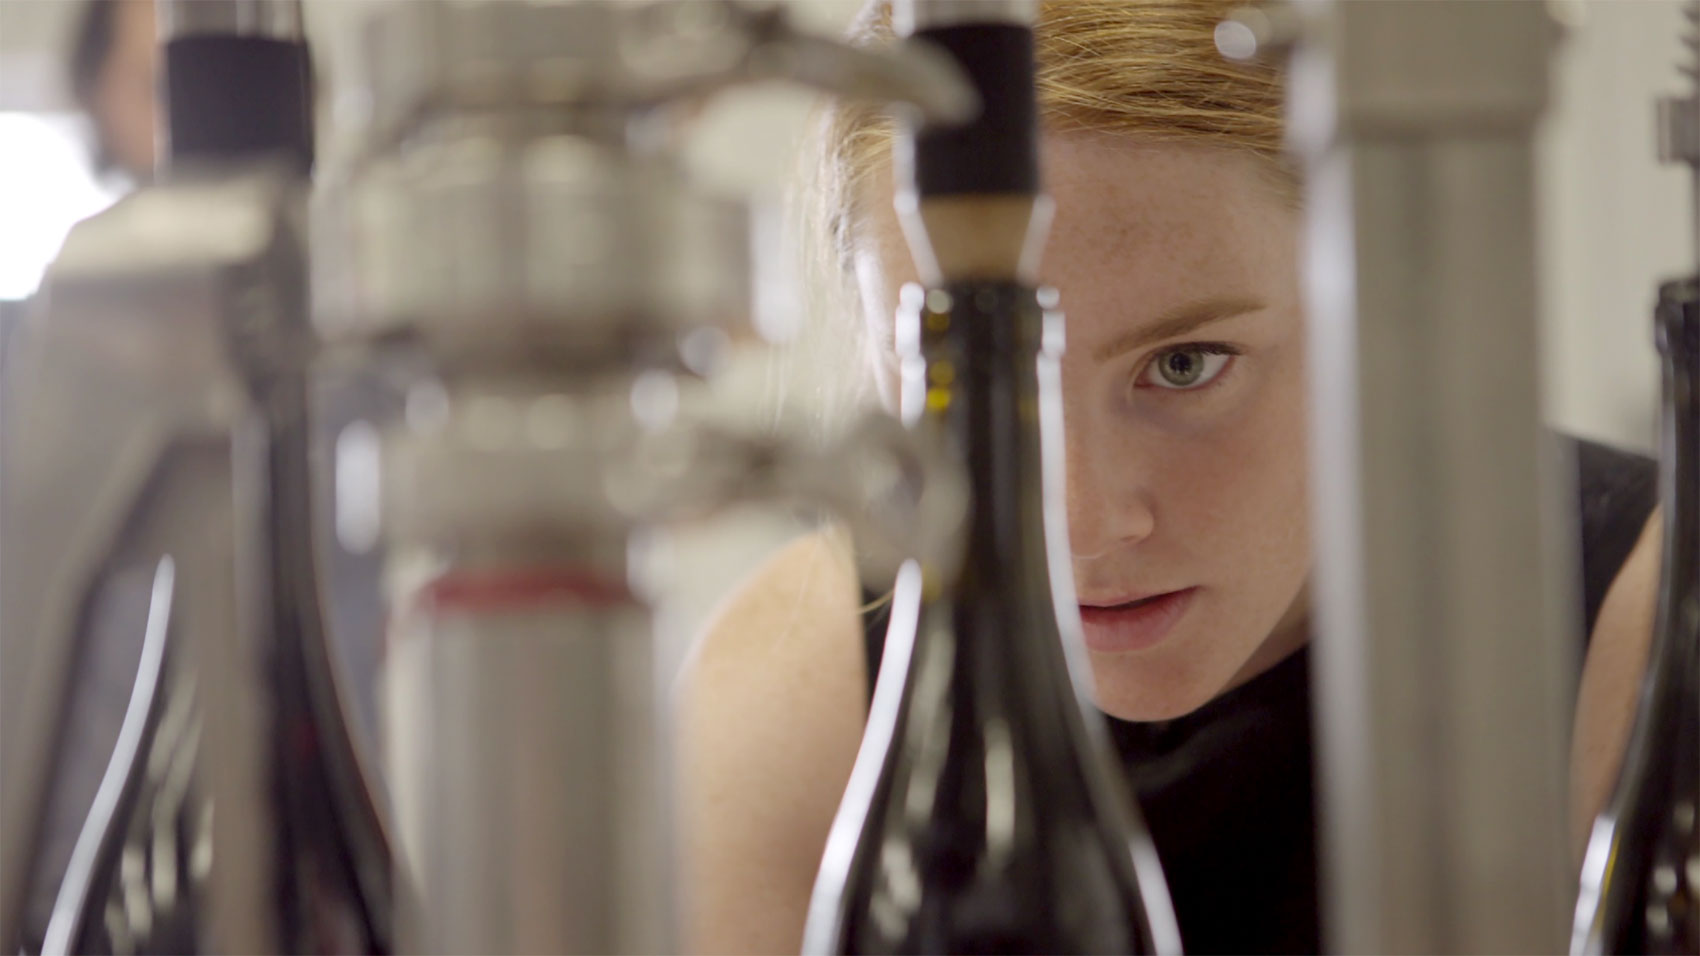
981	345
977	368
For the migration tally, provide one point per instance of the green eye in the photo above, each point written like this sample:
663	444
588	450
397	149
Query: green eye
1181	369
1188	367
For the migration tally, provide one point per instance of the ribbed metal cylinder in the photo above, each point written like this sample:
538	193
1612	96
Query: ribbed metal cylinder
912	15
269	19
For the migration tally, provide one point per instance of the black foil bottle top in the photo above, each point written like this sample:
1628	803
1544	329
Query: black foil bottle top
998	152
237	81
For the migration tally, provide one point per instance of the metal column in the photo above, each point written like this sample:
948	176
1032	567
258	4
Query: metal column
1445	656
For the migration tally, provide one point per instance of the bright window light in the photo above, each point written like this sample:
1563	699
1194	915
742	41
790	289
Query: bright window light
46	186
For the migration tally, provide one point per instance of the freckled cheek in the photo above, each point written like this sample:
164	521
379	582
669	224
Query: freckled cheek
1266	501
1206	487
1237	493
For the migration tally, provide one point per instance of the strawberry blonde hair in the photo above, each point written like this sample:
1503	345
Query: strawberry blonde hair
1144	69
1139	68
1147	70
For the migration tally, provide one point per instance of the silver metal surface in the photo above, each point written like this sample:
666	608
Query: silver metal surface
899	491
539	188
520	229
523	749
911	15
509	461
522	730
271	19
80	874
607	61
1444	652
521	223
95	397
523	737
127	406
570	246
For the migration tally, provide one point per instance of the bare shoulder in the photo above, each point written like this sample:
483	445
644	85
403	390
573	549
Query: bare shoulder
1611	678
770	715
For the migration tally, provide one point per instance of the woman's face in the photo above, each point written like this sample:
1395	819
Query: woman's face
1184	397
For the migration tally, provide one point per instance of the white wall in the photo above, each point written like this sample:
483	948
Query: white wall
34	39
1617	222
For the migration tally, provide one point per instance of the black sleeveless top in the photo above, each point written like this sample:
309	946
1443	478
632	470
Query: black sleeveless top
1226	790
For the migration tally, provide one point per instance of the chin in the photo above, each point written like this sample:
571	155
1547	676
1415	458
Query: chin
1145	688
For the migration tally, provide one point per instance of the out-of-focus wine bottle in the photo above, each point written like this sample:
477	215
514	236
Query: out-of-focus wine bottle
1641	875
983	814
1640	888
238	99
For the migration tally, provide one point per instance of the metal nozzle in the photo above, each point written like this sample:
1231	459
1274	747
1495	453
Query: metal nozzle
617	60
912	15
272	19
918	78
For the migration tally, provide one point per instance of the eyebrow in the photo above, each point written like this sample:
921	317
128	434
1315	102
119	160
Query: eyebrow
1176	322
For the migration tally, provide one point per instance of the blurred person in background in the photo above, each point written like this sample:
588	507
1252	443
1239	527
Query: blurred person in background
109	73
113	66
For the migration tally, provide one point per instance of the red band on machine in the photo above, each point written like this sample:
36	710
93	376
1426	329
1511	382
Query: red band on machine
521	589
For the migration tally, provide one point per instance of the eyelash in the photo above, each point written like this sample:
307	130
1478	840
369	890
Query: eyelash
1205	348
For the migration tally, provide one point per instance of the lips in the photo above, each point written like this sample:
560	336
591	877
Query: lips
1134	625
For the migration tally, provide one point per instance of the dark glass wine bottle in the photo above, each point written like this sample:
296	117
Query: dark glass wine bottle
1641	875
983	814
138	882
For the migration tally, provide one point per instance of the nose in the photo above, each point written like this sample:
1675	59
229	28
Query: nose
1109	497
